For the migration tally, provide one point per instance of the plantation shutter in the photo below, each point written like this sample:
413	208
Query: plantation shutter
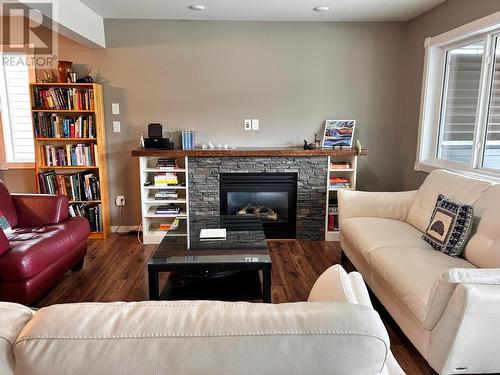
15	108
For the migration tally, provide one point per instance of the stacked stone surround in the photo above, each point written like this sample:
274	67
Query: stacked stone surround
203	174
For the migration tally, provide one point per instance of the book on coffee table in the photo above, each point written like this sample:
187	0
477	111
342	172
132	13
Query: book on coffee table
213	234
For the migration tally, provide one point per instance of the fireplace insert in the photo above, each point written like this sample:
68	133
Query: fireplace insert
270	196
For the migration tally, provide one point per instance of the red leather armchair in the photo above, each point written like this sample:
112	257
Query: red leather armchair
42	246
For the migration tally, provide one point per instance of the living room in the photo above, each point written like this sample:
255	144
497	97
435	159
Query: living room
318	181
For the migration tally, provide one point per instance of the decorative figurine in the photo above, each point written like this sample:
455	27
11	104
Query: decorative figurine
211	146
358	146
141	140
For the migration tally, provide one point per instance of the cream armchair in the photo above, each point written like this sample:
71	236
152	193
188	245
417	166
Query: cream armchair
448	307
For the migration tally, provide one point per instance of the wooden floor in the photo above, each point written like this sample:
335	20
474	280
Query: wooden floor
115	270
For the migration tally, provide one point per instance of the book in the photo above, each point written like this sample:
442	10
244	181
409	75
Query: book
79	154
93	213
213	234
52	125
339	182
188	139
340	165
83	186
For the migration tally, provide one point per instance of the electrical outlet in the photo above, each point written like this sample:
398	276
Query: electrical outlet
120	200
255	124
248	124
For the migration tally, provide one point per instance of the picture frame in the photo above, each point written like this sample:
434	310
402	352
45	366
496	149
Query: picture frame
338	133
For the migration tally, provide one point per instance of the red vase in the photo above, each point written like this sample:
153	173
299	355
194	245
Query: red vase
64	68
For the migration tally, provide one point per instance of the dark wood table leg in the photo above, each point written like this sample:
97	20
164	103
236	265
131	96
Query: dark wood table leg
154	292
266	285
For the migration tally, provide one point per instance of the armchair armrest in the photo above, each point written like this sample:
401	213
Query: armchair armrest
467	334
35	210
375	204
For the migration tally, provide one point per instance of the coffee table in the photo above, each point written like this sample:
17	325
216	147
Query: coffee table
215	269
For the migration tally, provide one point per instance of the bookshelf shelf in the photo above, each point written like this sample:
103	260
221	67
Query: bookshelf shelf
150	220
86	95
332	232
63	111
66	139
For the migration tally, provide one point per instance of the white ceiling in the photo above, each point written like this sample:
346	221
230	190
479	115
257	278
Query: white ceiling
265	10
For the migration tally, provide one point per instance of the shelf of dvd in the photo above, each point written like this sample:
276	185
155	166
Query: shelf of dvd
164	198
70	145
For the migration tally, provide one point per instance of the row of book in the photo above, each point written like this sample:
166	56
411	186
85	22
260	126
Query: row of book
166	194
340	165
170	209
50	125
79	154
93	213
187	139
166	163
166	179
83	186
333	217
75	99
339	182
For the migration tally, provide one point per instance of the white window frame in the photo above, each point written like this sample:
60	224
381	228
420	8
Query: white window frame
4	163
431	103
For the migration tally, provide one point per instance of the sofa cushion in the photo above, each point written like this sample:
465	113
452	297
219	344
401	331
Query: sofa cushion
13	318
35	249
365	234
412	272
450	226
454	186
483	249
7	205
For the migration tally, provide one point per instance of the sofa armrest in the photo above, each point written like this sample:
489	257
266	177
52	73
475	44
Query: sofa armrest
467	334
485	276
35	210
375	204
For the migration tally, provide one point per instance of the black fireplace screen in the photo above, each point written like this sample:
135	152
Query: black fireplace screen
270	196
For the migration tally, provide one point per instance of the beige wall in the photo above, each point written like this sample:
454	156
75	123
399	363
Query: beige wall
447	16
19	180
209	76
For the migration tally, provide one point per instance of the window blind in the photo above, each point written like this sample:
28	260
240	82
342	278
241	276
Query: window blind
15	108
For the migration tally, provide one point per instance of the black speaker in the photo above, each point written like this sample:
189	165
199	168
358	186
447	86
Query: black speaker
155	131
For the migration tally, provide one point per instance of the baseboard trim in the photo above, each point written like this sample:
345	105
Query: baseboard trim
124	228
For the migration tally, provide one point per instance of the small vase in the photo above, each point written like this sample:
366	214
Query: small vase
64	68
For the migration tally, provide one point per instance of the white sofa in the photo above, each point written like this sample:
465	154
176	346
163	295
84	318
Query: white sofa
197	337
448	307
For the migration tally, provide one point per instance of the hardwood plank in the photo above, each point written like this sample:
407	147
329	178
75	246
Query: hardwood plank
115	270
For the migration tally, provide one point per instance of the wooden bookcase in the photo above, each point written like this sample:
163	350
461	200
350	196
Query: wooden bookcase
100	140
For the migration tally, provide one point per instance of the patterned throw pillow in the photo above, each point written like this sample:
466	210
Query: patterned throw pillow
450	226
4	224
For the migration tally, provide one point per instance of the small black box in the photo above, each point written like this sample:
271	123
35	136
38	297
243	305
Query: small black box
162	143
155	131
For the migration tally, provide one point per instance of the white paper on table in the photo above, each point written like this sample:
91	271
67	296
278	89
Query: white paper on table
213	234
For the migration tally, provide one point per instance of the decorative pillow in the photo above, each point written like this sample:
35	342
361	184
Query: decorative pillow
450	226
4	224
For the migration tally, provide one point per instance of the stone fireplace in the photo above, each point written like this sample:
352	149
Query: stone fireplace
297	207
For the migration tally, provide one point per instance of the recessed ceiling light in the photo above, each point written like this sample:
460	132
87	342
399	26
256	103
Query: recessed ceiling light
197	7
321	9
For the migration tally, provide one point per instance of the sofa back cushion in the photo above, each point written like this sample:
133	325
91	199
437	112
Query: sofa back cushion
7	207
195	337
462	189
483	249
13	318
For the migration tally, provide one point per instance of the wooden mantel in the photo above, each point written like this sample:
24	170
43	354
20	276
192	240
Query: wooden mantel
249	152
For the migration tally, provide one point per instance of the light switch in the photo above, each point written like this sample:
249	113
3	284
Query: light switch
248	124
115	108
116	126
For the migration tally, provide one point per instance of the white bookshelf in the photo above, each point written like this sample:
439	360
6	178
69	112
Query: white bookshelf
150	220
331	193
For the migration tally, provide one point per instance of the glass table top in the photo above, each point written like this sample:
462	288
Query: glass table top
245	243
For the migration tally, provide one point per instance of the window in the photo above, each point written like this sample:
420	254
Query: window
460	111
15	110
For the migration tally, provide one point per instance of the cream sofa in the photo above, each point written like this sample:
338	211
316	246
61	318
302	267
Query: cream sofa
448	307
197	337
